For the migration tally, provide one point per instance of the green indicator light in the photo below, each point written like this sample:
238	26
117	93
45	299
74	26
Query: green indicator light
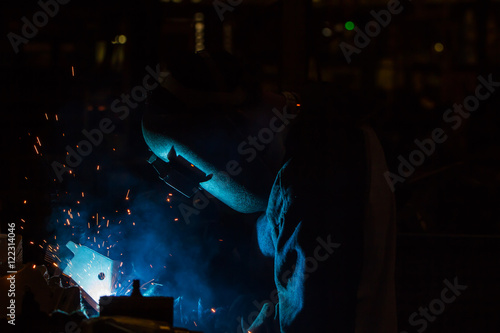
349	25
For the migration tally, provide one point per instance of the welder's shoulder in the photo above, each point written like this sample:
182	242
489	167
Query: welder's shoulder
334	170
336	160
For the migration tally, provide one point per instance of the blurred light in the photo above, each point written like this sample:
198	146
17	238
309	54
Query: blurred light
199	26
338	27
199	47
199	32
122	39
438	47
195	1
327	32
119	39
100	52
349	25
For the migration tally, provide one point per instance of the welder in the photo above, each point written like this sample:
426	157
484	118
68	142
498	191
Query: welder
317	177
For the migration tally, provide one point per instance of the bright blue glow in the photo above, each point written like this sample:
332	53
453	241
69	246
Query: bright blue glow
85	268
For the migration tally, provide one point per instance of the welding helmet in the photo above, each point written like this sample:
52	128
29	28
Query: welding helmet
201	126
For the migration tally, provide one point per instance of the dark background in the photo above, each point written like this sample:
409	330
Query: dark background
448	210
